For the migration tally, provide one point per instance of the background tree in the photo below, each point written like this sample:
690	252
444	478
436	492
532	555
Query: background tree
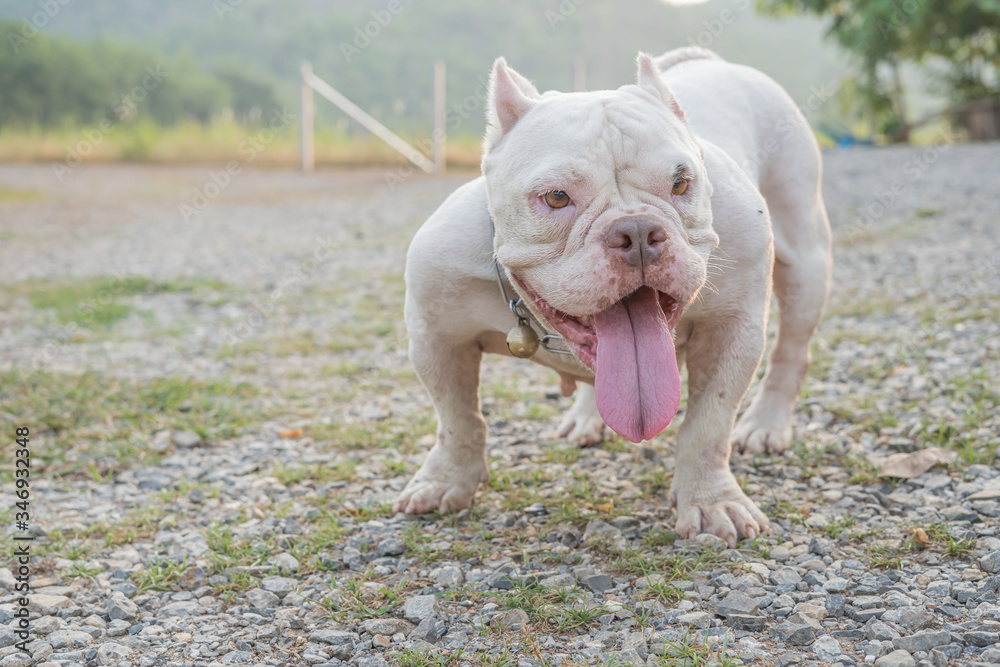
955	40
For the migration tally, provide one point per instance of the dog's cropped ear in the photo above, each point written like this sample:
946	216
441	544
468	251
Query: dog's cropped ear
650	80
509	98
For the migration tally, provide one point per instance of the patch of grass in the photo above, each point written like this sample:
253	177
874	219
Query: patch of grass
782	509
757	545
398	433
671	567
885	557
560	608
938	537
137	525
409	657
564	454
301	344
94	424
342	470
228	552
836	528
862	470
690	651
656	480
81	571
159	576
97	302
358	601
10	194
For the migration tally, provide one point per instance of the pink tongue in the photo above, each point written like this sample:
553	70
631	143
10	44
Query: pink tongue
638	386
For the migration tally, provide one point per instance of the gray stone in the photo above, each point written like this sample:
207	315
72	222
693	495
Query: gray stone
334	637
111	652
372	661
186	439
7	636
981	638
448	577
737	603
120	608
916	618
385	626
938	589
835	605
636	642
597	583
500	581
420	607
598	531
747	623
785	575
280	586
898	658
391	547
262	599
284	563
836	585
938	659
425	631
564	580
989	655
875	629
922	641
48	605
118	628
780	554
990	563
826	647
865	615
515	619
696	619
69	639
182	608
710	542
797	630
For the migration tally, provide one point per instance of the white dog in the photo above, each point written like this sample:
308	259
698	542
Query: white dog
607	213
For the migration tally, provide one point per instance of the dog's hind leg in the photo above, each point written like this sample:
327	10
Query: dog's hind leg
801	276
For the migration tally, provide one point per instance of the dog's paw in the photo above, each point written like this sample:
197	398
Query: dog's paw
582	424
584	430
422	496
758	435
720	509
442	484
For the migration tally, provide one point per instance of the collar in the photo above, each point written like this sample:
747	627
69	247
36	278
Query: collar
523	314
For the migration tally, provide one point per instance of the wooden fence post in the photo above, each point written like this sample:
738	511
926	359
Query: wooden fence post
439	138
307	151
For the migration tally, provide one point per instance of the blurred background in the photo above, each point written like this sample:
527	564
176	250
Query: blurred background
185	81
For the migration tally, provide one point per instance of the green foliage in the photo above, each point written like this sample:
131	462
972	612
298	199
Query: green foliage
51	81
961	38
387	71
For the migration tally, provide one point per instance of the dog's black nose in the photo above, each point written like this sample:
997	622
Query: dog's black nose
639	240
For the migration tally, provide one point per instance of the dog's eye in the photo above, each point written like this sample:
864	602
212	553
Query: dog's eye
680	186
556	199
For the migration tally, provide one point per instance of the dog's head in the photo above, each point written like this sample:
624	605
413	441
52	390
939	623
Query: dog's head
601	205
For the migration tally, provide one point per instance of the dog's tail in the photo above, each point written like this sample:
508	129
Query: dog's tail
683	54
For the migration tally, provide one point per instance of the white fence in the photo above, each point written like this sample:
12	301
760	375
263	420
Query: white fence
307	152
433	165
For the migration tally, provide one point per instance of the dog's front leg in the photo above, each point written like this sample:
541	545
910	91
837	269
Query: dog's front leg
456	465
721	359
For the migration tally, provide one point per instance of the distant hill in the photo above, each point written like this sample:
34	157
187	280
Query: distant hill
389	73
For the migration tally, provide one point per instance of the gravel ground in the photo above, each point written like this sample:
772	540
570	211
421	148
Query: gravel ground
221	414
